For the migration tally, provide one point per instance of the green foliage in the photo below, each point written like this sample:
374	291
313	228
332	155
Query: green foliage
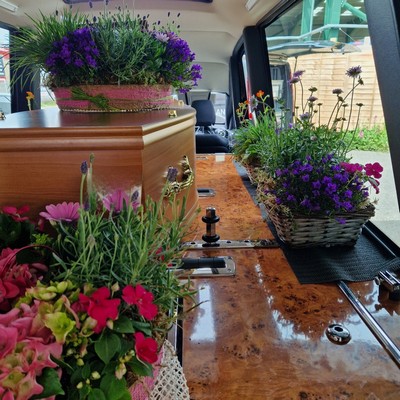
369	139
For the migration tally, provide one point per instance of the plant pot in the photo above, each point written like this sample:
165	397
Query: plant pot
113	98
311	231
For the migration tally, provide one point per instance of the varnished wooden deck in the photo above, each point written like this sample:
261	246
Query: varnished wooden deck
260	334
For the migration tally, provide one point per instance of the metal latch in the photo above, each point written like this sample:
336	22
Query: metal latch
388	281
231	244
205	267
211	239
205	192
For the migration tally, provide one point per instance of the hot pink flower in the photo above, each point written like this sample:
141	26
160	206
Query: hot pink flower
146	348
141	298
68	212
352	168
374	170
100	307
16	213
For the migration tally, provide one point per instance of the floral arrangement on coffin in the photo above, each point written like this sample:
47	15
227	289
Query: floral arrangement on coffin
112	49
306	170
85	311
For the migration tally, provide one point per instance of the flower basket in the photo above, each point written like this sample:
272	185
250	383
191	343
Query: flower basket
311	231
113	98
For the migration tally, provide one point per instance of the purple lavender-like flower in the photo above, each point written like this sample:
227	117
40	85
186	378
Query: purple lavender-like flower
354	72
293	80
84	168
337	91
305	117
311	99
298	74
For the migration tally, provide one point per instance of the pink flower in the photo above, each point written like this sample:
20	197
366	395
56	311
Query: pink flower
374	170
100	307
15	278
352	168
116	201
16	213
8	340
146	348
62	212
141	298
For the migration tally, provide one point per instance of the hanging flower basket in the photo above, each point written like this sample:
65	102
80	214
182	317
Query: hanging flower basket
311	231
113	98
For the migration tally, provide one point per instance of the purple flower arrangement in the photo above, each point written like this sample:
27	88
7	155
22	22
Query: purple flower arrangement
324	186
113	48
304	165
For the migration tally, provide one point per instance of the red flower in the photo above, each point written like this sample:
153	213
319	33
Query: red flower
141	298
374	170
16	213
100	307
146	348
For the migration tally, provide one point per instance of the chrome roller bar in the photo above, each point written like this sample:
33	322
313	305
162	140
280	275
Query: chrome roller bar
372	324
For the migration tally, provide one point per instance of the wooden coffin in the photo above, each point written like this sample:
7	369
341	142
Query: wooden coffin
41	153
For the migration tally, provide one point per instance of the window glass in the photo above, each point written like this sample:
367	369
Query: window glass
5	97
325	39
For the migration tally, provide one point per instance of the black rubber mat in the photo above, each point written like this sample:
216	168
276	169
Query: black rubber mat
361	262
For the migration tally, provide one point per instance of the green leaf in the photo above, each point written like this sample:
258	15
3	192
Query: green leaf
115	389
107	346
50	382
144	327
123	325
140	368
97	394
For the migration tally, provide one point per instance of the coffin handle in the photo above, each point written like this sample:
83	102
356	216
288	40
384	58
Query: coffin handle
172	184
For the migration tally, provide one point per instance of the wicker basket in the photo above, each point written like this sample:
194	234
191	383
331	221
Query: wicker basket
307	231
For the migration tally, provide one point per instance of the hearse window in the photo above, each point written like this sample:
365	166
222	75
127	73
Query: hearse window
5	95
324	39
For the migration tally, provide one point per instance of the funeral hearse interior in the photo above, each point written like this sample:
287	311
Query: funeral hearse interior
271	321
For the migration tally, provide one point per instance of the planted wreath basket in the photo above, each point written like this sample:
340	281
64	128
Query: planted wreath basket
311	231
113	98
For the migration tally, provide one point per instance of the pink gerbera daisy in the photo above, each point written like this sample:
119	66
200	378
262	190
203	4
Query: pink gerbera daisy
62	212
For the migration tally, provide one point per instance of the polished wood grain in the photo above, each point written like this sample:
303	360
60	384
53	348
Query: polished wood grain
41	153
261	334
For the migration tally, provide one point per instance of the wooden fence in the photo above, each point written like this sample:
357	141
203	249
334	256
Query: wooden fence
327	71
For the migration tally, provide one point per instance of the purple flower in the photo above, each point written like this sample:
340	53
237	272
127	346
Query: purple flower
311	99
306	116
354	72
298	74
293	80
77	49
337	91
